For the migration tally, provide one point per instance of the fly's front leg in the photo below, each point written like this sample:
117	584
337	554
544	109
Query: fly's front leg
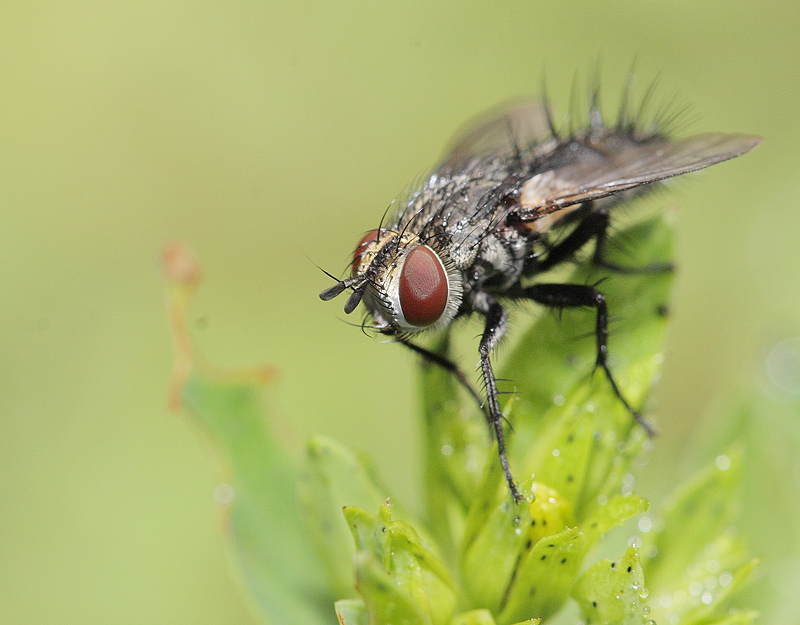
446	364
579	296
495	328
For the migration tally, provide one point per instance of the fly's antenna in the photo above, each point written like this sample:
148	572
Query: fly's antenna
356	282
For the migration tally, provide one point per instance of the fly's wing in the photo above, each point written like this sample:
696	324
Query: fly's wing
593	167
506	129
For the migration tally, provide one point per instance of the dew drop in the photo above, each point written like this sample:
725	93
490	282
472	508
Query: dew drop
223	493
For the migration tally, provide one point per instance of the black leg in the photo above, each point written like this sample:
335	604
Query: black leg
593	224
577	296
444	363
588	228
599	257
493	331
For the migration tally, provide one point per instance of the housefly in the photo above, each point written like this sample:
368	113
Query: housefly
513	198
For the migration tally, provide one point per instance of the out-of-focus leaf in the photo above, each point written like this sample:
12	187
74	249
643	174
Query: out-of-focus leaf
558	352
263	521
400	579
697	513
613	593
703	597
333	477
261	516
351	612
474	617
736	617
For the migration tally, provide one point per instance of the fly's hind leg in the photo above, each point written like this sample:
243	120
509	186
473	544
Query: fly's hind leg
582	296
593	224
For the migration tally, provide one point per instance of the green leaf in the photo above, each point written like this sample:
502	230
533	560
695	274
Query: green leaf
351	612
695	516
545	574
333	477
558	352
613	593
736	617
401	580
264	526
586	447
262	520
704	599
474	617
496	537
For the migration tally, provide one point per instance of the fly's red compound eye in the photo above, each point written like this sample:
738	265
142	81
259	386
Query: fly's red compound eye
423	287
371	236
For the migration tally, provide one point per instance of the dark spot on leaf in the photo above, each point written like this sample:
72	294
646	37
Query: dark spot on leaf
570	478
533	522
570	438
532	591
544	521
528	544
563	560
544	557
662	310
551	545
630	568
613	565
594	604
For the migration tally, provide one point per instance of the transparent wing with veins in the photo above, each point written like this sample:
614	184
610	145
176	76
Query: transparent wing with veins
556	172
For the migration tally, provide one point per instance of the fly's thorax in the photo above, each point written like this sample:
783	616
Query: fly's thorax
411	284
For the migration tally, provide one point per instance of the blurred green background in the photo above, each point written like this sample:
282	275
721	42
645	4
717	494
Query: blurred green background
268	136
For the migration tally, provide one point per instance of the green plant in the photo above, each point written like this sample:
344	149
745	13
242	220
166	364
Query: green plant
323	531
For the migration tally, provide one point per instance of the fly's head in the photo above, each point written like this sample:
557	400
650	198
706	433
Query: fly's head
407	284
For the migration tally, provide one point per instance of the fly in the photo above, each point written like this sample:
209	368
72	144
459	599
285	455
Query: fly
481	225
